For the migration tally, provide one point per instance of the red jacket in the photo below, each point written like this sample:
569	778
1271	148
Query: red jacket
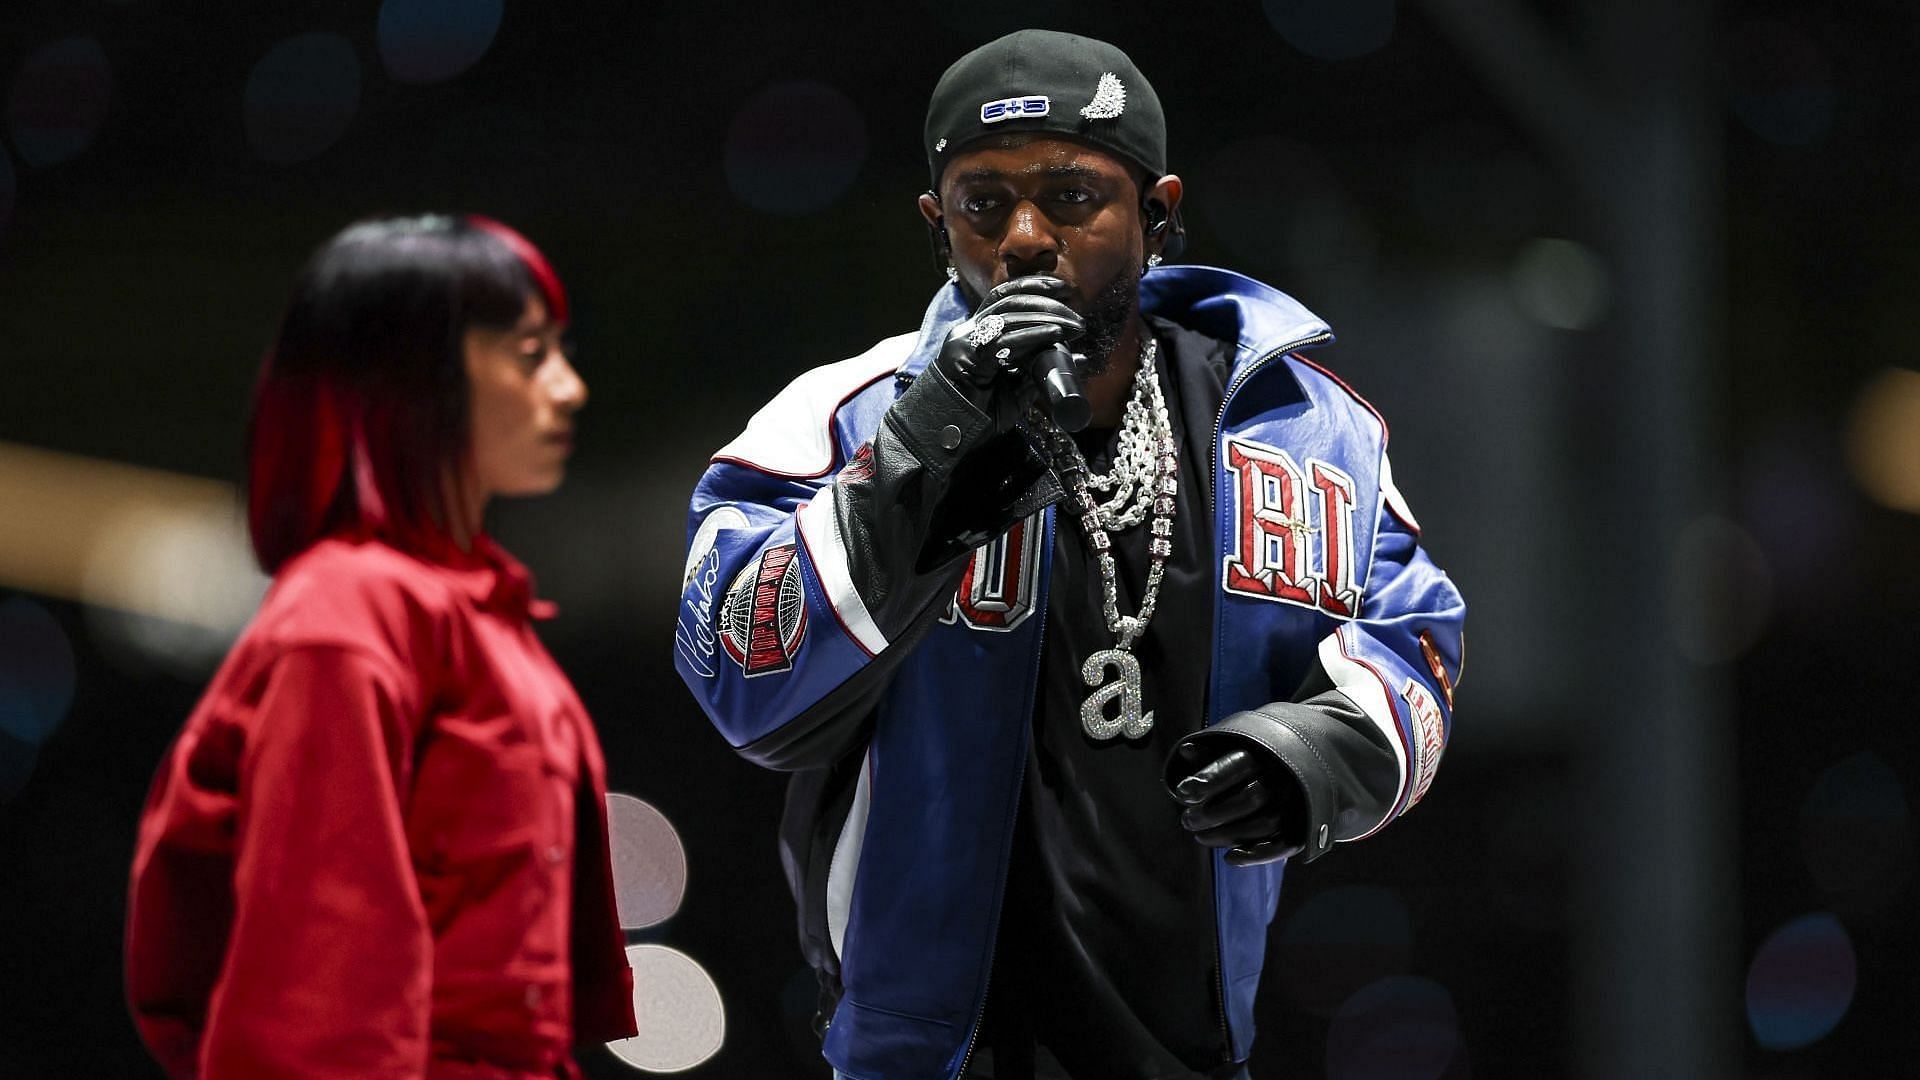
358	859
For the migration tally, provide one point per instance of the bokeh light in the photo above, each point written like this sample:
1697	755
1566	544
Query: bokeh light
1857	834
1721	591
430	41
172	587
301	96
37	675
681	1019
795	147
1400	1028
1560	283
1801	982
59	100
1795	499
649	862
36	671
1883	440
1333	29
1781	85
1339	941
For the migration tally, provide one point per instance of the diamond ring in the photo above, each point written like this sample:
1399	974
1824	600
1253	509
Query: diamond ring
986	330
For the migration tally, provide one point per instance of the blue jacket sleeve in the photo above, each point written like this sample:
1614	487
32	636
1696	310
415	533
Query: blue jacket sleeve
1364	734
802	594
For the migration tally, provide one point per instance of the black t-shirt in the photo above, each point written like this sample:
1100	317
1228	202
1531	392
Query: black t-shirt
1107	955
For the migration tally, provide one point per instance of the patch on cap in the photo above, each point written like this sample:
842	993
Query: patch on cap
993	112
1109	99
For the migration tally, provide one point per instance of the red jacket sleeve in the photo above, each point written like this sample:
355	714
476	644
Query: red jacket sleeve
329	968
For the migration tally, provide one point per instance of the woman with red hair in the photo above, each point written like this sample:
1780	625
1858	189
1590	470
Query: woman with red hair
378	848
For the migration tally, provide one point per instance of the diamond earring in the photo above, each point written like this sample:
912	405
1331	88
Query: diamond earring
1153	260
952	274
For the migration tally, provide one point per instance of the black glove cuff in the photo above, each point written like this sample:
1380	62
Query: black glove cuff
939	422
1280	742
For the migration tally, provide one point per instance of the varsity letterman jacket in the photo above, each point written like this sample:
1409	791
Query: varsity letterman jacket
865	599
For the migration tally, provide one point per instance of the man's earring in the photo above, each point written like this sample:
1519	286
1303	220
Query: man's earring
952	274
1153	260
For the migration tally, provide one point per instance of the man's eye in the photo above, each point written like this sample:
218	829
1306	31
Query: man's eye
978	204
1076	195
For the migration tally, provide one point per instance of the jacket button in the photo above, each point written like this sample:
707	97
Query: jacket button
950	437
1323	836
533	997
556	854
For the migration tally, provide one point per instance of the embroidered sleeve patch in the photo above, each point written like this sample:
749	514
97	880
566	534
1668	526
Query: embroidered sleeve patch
1430	737
764	617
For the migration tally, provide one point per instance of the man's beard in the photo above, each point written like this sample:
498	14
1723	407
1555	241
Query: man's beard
1107	318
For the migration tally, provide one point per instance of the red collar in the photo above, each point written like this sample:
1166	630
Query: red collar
497	580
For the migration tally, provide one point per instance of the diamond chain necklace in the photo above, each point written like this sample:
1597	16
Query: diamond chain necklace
1144	478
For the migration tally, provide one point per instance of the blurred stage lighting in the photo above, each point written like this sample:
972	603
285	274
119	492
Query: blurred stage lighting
430	41
1857	834
161	559
795	147
1403	1028
1339	941
1721	592
36	671
1796	501
1801	982
1333	29
301	96
36	687
59	100
1883	440
1561	284
681	1019
649	862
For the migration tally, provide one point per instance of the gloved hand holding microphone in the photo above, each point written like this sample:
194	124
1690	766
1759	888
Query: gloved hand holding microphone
1021	329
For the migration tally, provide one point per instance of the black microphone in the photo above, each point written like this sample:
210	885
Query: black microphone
1060	379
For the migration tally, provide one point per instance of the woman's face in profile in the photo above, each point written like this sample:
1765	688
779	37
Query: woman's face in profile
524	394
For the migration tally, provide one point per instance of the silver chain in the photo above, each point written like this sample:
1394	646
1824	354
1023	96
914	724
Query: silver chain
1149	458
1135	458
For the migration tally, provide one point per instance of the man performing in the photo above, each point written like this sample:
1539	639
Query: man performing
1019	671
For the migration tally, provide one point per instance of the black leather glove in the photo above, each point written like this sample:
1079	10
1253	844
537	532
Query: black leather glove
1239	797
1013	324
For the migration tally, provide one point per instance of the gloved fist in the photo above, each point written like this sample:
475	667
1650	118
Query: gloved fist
1242	798
1014	323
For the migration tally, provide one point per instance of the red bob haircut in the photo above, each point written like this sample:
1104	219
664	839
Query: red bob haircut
360	414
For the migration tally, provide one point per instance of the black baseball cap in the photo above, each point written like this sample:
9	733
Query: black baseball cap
1047	81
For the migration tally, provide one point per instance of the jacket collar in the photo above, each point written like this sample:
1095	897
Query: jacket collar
496	580
1219	303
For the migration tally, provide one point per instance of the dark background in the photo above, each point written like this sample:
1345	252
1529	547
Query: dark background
1626	282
